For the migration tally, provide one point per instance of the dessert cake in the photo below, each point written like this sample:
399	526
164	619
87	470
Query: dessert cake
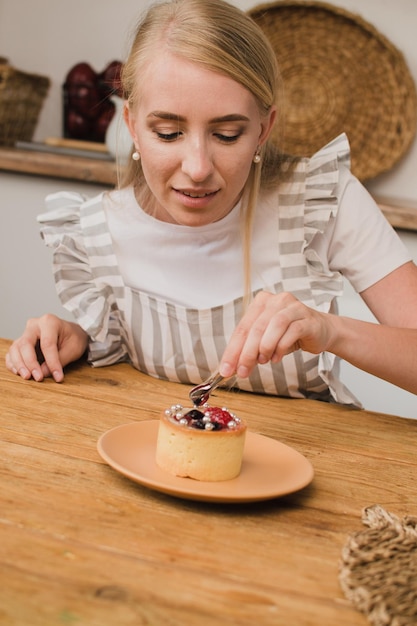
205	443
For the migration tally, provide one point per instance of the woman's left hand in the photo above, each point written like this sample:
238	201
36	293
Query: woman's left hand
274	325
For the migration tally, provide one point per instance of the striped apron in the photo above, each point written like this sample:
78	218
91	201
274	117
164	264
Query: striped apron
183	344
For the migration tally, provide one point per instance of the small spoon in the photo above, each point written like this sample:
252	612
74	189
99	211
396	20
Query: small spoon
200	394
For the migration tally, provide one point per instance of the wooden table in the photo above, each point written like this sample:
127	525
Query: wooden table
83	545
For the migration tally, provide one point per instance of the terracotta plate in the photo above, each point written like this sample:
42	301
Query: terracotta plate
269	469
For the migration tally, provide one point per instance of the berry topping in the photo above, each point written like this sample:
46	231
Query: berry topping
218	416
194	414
213	418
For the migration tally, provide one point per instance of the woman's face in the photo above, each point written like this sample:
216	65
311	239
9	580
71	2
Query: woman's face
197	133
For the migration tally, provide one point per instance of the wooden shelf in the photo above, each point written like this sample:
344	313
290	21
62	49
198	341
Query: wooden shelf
85	169
104	172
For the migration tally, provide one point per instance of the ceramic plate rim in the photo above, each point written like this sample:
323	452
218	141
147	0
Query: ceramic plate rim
151	476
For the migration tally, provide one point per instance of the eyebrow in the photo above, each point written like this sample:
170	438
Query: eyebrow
231	117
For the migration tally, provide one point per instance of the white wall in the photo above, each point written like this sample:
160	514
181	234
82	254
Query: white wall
27	285
49	37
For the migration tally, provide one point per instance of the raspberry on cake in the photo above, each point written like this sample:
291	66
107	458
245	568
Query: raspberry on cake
204	443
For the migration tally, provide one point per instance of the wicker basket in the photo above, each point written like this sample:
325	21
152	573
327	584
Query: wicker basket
339	75
21	99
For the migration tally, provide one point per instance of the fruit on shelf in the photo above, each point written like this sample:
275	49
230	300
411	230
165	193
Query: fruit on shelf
81	74
88	109
109	79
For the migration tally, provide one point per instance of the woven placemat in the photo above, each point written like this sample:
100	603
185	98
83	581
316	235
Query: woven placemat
378	570
340	75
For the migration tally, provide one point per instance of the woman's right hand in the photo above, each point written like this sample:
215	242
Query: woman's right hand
47	345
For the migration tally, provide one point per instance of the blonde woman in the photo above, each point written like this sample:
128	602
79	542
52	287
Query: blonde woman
217	248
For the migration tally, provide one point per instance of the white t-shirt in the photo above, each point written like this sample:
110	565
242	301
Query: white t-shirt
359	243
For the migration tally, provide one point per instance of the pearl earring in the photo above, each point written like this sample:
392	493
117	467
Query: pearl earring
136	155
257	157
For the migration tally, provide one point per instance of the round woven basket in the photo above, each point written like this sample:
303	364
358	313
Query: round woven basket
339	75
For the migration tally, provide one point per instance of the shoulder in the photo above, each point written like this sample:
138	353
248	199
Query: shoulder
362	243
327	173
319	177
326	170
64	216
66	206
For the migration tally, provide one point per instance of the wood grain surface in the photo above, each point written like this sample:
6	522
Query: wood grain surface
83	546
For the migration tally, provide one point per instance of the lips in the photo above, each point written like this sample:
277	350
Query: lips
196	194
195	199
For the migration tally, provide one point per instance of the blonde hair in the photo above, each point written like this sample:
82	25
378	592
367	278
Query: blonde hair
224	39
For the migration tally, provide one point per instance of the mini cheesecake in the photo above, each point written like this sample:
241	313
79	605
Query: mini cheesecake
204	443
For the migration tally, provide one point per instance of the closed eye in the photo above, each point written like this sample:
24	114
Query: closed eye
168	136
227	138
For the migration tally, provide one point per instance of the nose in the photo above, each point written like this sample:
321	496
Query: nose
197	161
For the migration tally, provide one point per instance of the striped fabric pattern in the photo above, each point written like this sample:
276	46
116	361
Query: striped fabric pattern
185	345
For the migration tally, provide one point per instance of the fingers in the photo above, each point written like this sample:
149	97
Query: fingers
283	330
52	365
22	359
242	352
271	328
16	365
35	354
230	360
25	366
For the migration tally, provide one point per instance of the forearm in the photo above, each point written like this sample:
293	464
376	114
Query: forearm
387	352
